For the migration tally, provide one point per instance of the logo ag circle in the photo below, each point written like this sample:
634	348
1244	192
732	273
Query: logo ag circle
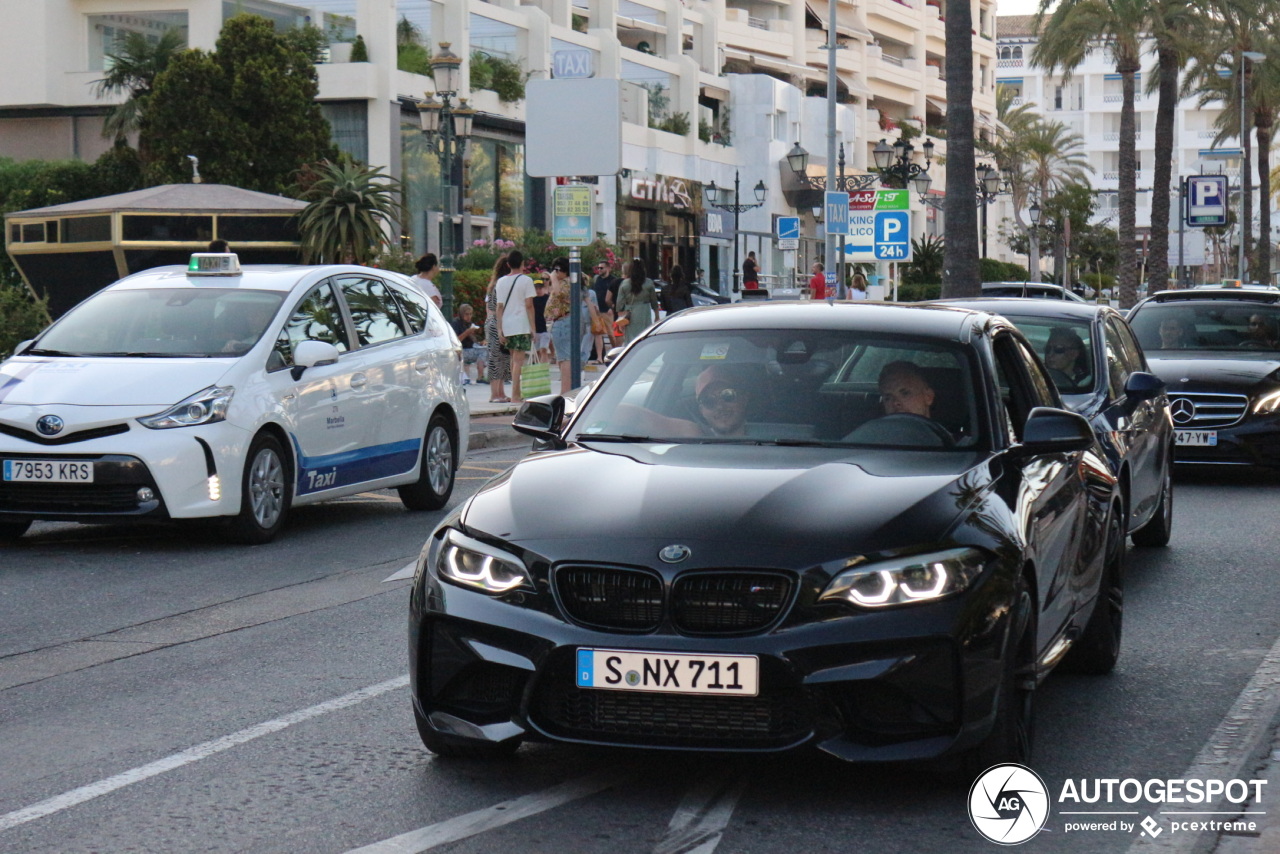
1008	804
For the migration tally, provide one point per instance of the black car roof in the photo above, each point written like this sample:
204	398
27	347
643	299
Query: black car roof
932	321
1207	294
1018	307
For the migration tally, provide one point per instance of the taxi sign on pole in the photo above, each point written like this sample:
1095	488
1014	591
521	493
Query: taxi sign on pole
572	210
836	213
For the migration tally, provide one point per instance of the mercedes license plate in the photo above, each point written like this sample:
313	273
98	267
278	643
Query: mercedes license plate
668	673
1196	438
48	471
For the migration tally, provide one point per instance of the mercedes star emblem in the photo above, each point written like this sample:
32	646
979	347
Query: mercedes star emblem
1182	410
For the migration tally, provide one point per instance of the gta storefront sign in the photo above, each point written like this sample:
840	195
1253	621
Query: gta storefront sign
662	191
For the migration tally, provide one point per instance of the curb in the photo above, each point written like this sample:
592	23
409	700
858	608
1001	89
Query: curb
493	439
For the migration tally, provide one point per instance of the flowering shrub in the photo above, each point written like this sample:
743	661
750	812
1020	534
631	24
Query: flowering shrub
483	254
395	260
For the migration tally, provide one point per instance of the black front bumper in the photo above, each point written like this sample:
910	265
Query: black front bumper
112	494
911	683
1255	441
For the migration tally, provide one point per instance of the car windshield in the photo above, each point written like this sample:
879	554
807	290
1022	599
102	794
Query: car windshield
1232	325
1018	291
787	387
172	322
1065	346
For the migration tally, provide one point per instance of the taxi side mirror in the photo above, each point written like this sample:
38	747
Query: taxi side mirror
311	354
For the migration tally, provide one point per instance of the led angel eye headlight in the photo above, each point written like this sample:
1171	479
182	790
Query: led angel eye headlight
479	566
907	579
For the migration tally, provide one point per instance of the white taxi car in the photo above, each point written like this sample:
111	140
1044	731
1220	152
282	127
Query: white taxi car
216	390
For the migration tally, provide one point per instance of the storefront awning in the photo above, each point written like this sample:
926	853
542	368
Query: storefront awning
771	62
937	103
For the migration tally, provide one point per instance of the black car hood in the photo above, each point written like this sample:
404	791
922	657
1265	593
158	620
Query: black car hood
1215	368
614	502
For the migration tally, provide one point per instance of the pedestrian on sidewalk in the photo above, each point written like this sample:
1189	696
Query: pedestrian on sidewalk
515	317
427	266
466	332
637	302
818	281
558	315
499	368
676	296
750	272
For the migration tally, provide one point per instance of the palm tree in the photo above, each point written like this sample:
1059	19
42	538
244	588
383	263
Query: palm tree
352	210
1009	147
1065	40
961	275
133	70
1265	91
1172	22
1053	157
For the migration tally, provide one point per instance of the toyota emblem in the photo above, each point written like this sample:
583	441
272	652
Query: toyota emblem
674	553
1182	410
49	425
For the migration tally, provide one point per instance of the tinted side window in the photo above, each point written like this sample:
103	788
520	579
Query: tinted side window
414	308
1018	392
316	317
1042	389
374	312
1118	361
1134	360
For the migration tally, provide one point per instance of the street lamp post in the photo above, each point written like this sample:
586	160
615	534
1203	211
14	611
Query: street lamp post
1245	56
718	197
895	165
990	183
446	129
798	160
1033	214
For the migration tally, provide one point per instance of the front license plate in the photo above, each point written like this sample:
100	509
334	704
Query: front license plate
48	471
668	673
1196	438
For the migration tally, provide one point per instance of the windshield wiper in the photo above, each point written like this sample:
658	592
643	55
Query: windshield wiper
39	352
143	355
613	437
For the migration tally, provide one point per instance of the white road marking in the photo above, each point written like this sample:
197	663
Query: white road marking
481	820
404	573
79	796
700	820
1232	743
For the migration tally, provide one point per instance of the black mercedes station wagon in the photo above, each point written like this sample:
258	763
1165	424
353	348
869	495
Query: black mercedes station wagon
868	528
1219	353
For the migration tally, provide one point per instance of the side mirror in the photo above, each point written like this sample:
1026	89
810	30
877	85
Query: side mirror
1055	431
542	418
312	354
612	355
1143	386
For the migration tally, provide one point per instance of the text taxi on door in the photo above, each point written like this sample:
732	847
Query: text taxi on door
221	391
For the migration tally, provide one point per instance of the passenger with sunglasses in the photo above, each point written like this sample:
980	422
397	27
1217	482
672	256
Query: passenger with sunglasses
1066	358
722	393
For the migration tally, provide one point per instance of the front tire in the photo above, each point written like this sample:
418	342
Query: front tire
1098	648
1156	532
1013	732
264	493
436	475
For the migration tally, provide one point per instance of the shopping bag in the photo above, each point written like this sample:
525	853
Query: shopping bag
535	380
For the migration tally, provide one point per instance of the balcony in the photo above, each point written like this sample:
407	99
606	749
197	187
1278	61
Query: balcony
1010	63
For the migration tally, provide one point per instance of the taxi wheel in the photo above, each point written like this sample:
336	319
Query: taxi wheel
10	531
439	465
264	493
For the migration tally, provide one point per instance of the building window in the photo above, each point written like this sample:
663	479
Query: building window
349	121
108	32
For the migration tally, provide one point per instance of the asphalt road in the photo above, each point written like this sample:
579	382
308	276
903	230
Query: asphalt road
161	691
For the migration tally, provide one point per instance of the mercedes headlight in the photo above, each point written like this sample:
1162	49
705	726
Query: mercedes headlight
203	407
1267	404
471	563
907	579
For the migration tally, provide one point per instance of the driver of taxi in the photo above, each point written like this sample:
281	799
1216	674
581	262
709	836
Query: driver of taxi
904	390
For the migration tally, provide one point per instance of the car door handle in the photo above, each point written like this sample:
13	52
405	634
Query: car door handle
422	365
358	381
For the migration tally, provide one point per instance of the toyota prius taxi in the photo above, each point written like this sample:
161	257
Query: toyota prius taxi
221	391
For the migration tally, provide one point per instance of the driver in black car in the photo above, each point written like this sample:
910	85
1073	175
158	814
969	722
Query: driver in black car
1260	333
904	390
1066	358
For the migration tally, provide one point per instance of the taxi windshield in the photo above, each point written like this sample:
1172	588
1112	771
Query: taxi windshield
787	387
163	322
1231	325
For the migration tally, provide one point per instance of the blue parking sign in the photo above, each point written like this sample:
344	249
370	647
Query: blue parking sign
893	236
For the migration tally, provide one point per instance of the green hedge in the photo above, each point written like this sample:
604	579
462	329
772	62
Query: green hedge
919	292
21	317
469	287
1001	271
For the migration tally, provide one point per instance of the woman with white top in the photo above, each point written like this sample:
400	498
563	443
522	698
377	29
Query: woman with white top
427	266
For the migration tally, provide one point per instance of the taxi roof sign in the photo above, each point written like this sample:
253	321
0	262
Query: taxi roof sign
214	264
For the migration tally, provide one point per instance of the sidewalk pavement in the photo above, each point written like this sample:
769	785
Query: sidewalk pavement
491	422
1267	841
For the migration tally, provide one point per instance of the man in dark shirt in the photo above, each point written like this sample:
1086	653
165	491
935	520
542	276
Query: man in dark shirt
750	272
605	288
467	333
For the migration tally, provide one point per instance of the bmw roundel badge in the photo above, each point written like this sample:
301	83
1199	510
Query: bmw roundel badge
674	553
49	425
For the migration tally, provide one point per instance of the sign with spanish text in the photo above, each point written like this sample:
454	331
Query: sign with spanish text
572	207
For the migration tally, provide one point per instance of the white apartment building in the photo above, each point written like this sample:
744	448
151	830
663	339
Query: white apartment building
1089	103
749	75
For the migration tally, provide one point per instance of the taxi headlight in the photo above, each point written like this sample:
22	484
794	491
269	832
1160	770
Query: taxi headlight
203	407
471	563
1267	404
908	579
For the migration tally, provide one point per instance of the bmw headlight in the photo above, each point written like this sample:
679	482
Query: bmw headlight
1267	404
907	579
471	563
203	407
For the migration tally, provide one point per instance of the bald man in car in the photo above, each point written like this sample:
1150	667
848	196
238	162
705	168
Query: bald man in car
904	390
